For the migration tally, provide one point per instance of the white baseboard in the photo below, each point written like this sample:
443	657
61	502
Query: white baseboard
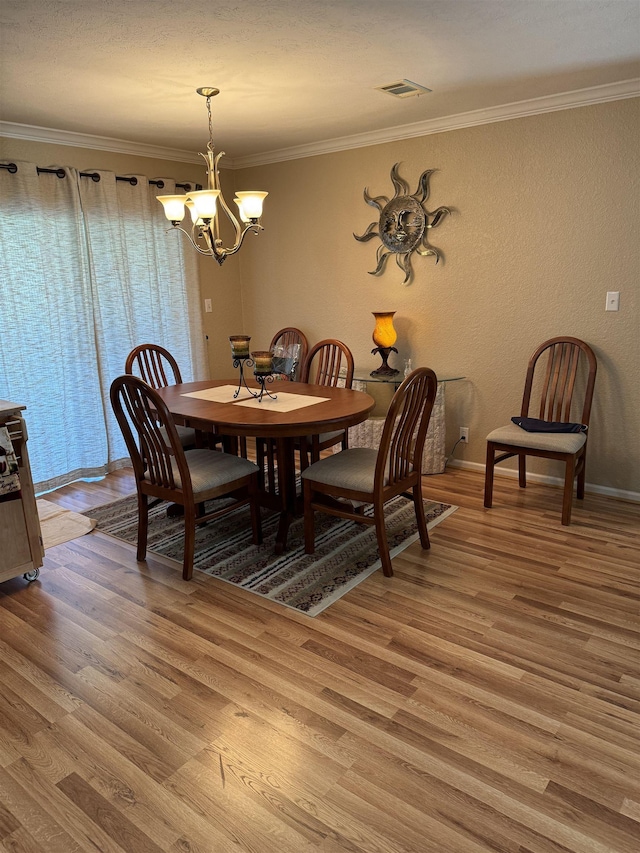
549	481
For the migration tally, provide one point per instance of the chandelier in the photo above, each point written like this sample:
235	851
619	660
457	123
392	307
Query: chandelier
203	205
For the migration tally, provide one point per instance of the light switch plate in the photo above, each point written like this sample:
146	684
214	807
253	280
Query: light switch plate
207	306
613	301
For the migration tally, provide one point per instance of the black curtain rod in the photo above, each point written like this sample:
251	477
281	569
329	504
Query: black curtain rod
12	169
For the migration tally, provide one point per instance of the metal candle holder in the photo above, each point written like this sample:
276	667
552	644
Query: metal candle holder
240	361
261	379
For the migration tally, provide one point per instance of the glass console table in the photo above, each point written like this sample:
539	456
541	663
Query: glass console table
382	389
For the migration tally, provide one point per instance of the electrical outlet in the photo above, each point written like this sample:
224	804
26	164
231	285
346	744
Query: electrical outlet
464	434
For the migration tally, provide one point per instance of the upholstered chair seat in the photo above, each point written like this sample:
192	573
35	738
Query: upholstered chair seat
352	469
558	442
187	436
211	470
329	437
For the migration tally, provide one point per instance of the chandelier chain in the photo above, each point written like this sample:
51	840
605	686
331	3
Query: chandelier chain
210	143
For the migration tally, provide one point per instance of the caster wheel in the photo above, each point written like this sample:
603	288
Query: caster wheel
32	576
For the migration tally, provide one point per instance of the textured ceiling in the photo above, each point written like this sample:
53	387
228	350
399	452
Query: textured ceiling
295	72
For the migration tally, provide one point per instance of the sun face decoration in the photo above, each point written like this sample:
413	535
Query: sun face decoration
403	224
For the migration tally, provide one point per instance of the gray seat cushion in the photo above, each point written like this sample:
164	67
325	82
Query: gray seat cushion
349	469
211	469
336	435
187	436
560	442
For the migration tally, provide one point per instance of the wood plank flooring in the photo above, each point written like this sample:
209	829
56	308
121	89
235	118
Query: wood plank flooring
485	698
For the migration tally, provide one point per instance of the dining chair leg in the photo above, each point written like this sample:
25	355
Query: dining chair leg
189	541
488	475
143	526
271	455
418	503
256	521
309	524
582	472
304	453
522	470
567	498
383	544
260	460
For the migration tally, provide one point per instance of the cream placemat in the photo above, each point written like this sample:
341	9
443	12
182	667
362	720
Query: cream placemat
60	525
284	403
221	394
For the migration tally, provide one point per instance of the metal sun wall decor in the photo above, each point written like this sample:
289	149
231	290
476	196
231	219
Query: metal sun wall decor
404	223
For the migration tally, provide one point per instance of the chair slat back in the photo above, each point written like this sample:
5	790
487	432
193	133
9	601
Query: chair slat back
149	433
405	427
154	364
561	368
329	363
289	337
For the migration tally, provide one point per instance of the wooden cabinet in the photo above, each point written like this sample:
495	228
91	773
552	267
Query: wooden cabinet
21	551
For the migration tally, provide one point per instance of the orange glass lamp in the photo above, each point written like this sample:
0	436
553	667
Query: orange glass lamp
384	337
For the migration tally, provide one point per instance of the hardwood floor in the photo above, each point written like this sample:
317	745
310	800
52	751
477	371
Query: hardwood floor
485	698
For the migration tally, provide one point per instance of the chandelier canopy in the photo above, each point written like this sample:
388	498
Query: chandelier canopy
204	205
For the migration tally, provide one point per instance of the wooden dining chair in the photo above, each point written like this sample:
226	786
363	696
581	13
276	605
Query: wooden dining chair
165	471
287	340
329	362
157	366
293	346
365	475
556	370
154	364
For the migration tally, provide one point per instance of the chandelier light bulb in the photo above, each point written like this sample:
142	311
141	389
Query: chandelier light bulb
204	202
243	215
250	203
193	212
173	206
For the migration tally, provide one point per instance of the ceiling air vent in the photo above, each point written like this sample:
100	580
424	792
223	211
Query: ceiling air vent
403	89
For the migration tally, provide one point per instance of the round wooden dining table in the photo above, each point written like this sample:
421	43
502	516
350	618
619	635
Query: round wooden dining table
208	407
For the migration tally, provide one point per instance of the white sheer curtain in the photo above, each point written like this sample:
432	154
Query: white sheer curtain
88	272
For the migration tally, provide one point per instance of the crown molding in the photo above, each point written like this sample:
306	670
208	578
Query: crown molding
101	143
504	112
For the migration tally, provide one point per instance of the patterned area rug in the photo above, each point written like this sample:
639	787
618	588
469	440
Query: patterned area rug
346	552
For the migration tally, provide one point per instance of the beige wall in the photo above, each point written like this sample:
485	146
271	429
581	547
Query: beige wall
545	223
